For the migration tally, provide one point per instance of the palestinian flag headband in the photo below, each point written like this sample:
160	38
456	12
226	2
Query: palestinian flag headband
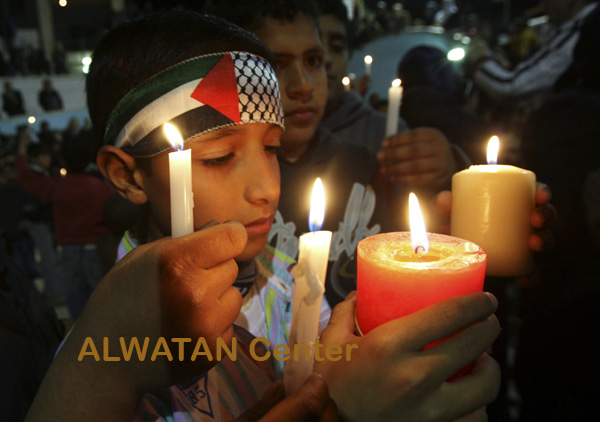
197	96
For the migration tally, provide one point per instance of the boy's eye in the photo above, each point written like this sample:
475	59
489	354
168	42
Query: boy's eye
215	162
272	149
315	61
338	47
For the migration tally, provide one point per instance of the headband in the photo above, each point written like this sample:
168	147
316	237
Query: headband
197	96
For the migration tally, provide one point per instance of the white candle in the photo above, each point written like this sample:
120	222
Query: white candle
346	83
393	111
368	63
491	206
180	176
310	273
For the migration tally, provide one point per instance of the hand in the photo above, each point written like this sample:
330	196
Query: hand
171	288
310	402
363	84
541	217
419	157
390	377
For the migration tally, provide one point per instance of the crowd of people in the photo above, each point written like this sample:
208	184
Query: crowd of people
14	104
82	199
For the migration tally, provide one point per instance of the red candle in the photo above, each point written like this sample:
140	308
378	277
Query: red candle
400	273
394	281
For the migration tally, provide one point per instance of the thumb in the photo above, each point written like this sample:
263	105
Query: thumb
341	324
308	403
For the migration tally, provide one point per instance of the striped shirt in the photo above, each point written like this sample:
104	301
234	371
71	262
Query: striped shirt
541	71
233	386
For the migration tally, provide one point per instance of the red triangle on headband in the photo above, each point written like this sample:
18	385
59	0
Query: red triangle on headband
218	89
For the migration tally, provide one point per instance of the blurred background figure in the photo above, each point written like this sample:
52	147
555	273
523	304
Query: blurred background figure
49	98
12	100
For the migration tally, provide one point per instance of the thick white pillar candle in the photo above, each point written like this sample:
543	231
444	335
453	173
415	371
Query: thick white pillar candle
310	273
180	177
491	207
393	111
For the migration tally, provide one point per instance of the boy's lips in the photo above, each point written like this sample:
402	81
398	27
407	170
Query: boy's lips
301	115
260	227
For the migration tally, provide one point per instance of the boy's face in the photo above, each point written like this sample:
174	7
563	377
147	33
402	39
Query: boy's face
333	34
299	64
235	176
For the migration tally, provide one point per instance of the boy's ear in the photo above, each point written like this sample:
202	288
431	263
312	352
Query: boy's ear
120	169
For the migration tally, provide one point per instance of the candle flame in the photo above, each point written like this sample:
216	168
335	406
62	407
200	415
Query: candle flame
368	59
173	136
396	83
346	80
317	207
492	150
418	234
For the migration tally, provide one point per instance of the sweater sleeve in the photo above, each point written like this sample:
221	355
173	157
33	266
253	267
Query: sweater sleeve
538	73
43	187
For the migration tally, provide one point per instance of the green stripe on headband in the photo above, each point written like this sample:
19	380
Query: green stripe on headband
198	95
156	87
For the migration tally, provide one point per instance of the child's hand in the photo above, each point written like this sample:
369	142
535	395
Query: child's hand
419	157
390	377
541	217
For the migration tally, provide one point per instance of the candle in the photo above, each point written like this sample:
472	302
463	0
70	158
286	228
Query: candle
491	206
393	111
402	272
180	176
368	63
346	83
310	272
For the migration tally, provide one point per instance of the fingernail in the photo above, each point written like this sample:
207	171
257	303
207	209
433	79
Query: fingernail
350	296
492	299
315	380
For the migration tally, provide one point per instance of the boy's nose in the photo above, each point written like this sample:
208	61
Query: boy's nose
300	84
263	181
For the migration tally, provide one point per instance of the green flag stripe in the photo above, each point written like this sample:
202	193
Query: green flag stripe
156	87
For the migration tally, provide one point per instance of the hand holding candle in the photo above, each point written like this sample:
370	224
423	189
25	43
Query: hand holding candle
491	206
180	176
310	272
393	112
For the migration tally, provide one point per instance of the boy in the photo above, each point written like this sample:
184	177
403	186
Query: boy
359	202
210	80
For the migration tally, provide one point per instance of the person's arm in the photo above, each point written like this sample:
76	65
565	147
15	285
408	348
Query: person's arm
171	288
538	73
389	377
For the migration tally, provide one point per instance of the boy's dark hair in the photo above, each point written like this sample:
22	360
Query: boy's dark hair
338	9
251	14
136	50
76	154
